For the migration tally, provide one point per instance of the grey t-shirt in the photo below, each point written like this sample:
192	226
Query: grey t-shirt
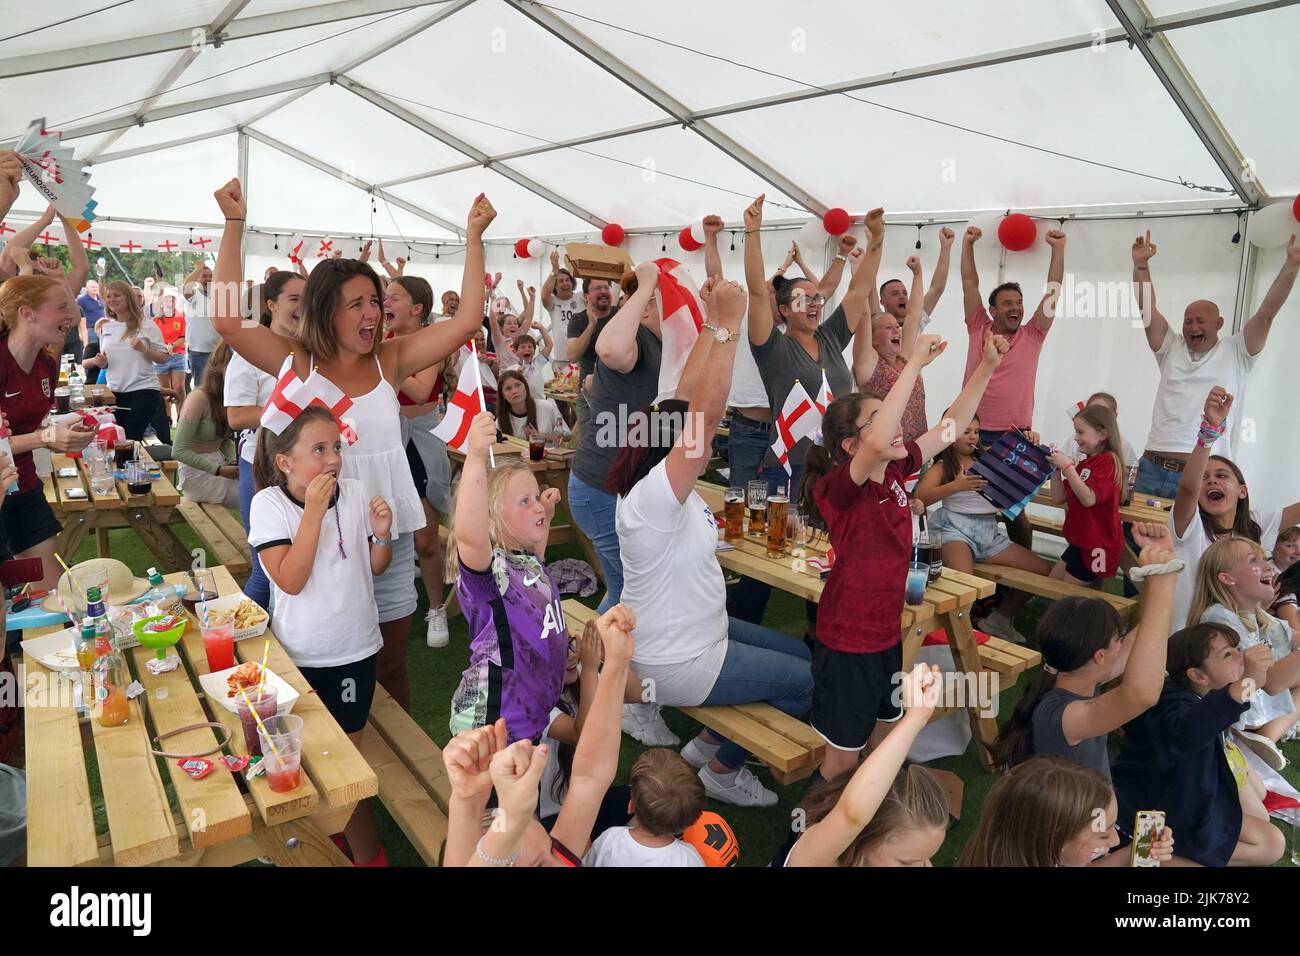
577	325
781	360
614	396
1049	737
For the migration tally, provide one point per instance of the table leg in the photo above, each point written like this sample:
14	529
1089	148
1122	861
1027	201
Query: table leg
77	525
101	542
965	654
300	843
160	539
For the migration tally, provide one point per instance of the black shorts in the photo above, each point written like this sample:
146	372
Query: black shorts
346	691
853	691
416	464
26	519
1077	565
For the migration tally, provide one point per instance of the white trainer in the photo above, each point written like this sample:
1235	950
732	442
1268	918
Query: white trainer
999	625
437	634
645	722
1264	748
693	754
747	791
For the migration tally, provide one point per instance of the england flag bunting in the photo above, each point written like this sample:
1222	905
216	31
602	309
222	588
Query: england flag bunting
292	394
824	396
465	403
295	249
799	418
681	315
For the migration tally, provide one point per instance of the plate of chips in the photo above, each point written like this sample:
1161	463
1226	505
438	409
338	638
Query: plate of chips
238	612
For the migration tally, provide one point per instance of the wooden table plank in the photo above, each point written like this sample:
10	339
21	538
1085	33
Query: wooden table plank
223	552
409	804
64	485
161	491
767	745
983	588
109	500
411	744
213	808
340	773
60	812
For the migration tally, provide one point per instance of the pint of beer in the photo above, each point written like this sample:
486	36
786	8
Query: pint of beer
757	495
778	508
734	506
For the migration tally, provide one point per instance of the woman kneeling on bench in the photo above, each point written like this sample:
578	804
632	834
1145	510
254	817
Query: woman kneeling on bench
688	651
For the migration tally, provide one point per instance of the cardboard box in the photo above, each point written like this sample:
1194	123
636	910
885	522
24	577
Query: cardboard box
587	261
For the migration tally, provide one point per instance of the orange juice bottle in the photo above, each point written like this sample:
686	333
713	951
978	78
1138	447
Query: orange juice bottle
110	684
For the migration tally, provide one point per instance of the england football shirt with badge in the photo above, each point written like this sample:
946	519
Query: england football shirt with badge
26	402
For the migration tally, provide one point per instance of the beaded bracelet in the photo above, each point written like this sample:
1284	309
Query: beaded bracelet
492	860
1209	433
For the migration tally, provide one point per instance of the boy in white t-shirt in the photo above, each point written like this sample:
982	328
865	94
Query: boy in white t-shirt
667	797
535	364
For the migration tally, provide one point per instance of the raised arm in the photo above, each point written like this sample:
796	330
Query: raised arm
761	320
824	842
963	408
529	298
258	345
1144	670
802	263
1046	310
1218	404
939	281
915	307
433	343
616	344
77	258
972	301
11	177
1155	325
712	258
1257	329
873	447
473	545
855	298
191	281
831	280
23	239
548	287
705	383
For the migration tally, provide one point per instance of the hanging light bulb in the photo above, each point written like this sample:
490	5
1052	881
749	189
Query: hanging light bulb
733	240
918	235
663	246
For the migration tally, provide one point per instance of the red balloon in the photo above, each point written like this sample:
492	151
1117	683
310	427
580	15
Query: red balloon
521	248
1295	209
1017	232
836	221
612	234
687	241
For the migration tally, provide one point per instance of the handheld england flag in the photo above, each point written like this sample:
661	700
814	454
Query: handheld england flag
292	394
466	402
799	418
824	396
295	249
681	316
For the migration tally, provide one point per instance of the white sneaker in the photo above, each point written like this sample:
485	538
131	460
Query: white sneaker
999	625
694	755
645	722
1264	749
747	791
437	634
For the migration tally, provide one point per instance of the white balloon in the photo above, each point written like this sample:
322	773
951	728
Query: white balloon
697	231
535	248
1272	226
813	237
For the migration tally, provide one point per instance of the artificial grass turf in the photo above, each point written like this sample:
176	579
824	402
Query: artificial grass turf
435	673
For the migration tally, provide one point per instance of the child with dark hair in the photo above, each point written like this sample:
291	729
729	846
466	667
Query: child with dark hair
1177	756
667	797
1090	490
1061	712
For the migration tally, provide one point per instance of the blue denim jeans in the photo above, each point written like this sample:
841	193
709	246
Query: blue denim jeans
257	587
1154	480
761	665
198	362
592	510
746	447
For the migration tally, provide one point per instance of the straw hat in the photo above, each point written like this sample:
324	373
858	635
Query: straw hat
123	586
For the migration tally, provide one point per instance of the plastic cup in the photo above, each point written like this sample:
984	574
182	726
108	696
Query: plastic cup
219	645
733	504
536	448
123	451
918	574
265	708
281	739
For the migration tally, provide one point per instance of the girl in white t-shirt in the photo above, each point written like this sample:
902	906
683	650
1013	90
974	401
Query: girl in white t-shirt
520	414
1235	586
128	348
321	542
1213	502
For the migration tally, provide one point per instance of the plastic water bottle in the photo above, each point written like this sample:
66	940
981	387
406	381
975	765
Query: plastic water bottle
162	596
76	388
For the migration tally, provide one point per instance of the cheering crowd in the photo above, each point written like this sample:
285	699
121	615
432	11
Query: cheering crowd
342	503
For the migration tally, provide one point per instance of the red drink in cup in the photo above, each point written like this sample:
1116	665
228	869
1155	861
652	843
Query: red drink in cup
219	645
283	780
265	708
282	751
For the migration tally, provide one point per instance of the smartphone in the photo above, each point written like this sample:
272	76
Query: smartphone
1146	827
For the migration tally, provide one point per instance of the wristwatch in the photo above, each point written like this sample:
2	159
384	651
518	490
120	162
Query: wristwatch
842	257
720	335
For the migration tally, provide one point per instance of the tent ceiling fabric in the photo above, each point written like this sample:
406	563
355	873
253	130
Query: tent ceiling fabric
496	80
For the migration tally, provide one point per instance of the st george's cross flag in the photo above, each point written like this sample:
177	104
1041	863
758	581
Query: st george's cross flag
824	396
681	315
466	402
292	394
799	418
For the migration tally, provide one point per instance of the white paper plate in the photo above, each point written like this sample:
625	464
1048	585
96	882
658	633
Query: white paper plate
230	603
57	651
215	686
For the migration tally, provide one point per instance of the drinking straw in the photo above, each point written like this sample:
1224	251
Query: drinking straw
203	597
261	726
66	610
266	651
75	584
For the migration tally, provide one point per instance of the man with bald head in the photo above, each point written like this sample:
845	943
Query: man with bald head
1192	363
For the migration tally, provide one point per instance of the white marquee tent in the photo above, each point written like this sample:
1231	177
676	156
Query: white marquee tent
355	118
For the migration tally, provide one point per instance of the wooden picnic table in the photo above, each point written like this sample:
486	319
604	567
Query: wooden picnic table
220	820
946	604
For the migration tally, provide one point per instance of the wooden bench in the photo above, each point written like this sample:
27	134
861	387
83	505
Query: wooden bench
413	783
222	535
1054	589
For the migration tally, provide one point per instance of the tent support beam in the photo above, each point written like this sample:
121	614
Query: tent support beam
242	167
308	15
478	156
1169	69
560	28
156	147
342	176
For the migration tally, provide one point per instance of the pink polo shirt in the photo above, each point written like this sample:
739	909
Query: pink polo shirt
1008	402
